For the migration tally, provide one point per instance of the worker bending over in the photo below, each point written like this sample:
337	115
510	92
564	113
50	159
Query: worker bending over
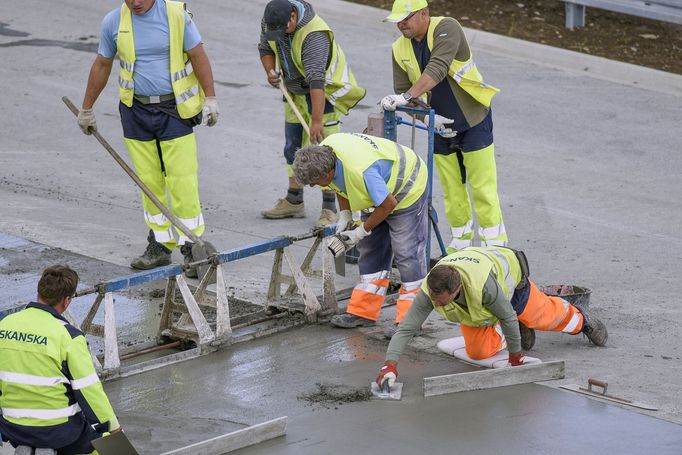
370	172
298	46
50	394
488	292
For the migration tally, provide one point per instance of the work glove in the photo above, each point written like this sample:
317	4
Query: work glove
392	102
439	123
355	235
517	359
274	78
345	221
211	111
387	373
86	121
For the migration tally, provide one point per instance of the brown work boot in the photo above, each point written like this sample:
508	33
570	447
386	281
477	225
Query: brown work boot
349	321
326	218
284	209
156	255
527	337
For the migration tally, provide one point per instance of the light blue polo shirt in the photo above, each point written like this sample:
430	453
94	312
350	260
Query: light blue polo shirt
152	46
376	179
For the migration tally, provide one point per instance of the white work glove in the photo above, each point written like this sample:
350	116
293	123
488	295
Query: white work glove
439	123
355	235
345	221
392	102
211	111
86	121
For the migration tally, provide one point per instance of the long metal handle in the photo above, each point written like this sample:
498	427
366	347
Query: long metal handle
285	92
173	219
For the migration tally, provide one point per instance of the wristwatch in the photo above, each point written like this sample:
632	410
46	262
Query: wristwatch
407	96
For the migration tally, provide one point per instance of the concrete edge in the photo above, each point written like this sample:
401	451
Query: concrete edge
487	379
239	439
577	62
553	57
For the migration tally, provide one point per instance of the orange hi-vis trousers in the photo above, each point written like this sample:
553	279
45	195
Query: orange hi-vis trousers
369	294
542	312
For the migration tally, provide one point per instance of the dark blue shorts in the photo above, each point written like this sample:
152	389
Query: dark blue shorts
144	122
471	140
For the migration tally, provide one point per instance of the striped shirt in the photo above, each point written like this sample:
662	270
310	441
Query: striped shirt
315	53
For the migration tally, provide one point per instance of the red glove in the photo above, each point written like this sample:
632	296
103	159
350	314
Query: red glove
517	359
387	373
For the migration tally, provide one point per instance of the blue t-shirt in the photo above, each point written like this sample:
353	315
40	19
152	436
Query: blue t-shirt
151	75
376	178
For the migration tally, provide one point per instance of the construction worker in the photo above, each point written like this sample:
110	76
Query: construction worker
489	293
298	46
370	172
432	57
50	394
166	88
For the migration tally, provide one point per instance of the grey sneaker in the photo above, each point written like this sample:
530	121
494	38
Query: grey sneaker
349	321
284	209
156	255
186	251
326	218
593	328
527	337
23	450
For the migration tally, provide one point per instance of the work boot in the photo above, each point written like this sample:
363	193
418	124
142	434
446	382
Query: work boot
527	337
326	218
390	330
284	209
186	250
349	321
593	328
155	255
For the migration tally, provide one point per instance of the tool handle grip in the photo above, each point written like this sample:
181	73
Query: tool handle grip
176	222
292	105
597	383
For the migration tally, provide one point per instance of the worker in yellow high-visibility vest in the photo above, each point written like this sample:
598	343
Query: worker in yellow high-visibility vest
50	394
433	57
165	88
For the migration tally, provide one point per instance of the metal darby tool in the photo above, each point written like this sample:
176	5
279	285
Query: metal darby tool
385	392
201	249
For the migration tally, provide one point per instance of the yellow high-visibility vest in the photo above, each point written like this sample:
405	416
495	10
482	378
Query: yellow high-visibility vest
465	73
357	152
340	89
189	95
474	265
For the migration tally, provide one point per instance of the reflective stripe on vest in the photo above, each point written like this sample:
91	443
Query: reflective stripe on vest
464	73
189	96
401	175
31	379
44	414
77	384
340	88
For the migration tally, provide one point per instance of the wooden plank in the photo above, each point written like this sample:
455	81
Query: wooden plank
236	440
223	328
111	358
203	329
312	306
488	379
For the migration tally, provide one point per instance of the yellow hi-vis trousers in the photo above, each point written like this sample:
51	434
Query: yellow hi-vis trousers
171	166
481	173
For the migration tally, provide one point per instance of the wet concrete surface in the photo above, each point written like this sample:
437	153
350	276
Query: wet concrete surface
276	376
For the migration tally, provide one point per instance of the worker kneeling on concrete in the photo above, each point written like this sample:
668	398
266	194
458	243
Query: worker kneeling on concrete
370	172
50	394
487	290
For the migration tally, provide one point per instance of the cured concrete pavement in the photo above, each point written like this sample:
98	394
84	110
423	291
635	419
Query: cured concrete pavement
587	154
